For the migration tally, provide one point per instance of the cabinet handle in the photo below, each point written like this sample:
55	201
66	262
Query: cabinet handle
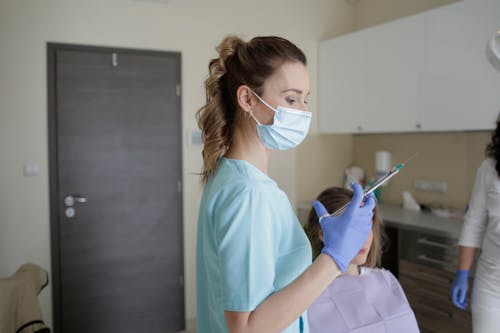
425	241
435	310
360	128
435	279
423	257
430	295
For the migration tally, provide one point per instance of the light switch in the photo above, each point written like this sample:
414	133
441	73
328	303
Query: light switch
195	138
31	170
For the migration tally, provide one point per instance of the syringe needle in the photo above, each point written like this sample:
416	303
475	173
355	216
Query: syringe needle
410	158
378	183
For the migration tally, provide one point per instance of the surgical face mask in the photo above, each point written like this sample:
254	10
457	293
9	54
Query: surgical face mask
288	130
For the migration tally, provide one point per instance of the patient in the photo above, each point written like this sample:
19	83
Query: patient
365	298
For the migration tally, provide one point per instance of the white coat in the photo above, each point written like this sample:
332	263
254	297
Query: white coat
481	229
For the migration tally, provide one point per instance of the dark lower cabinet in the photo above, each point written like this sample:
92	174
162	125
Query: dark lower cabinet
428	291
424	263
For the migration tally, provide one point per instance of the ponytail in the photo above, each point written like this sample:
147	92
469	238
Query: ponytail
215	118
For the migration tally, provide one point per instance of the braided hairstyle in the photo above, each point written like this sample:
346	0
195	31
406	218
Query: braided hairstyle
239	63
493	148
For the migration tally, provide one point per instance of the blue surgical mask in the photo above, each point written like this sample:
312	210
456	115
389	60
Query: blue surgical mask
288	130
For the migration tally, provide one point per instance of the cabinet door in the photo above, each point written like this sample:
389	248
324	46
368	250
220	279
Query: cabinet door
369	79
341	84
392	59
459	89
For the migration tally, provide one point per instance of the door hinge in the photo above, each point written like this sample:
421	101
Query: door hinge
181	280
179	186
178	90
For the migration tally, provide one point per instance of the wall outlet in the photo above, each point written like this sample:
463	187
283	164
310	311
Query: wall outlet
430	186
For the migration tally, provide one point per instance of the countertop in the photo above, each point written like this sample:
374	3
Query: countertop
396	216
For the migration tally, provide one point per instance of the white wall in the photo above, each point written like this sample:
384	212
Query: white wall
368	13
192	27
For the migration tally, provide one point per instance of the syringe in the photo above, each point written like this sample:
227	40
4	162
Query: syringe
372	188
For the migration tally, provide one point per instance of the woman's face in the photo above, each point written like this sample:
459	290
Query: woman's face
360	258
288	87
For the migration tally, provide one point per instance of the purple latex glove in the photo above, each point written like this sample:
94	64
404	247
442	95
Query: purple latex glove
344	235
459	288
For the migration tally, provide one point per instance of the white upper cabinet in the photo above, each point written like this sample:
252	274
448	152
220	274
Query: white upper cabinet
460	89
426	72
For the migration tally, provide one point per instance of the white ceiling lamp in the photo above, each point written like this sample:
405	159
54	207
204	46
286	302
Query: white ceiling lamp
493	50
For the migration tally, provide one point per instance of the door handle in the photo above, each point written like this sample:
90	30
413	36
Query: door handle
70	200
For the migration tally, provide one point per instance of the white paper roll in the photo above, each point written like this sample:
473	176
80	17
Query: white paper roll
382	161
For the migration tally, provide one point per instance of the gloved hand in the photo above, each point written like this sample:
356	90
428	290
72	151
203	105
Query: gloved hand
459	288
344	235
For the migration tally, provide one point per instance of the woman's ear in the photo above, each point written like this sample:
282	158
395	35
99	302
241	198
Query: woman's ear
246	99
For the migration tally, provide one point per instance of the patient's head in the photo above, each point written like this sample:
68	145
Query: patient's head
333	198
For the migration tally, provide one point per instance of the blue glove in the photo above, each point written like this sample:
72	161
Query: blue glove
344	235
459	288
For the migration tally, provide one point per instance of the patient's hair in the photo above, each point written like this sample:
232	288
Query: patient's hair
333	198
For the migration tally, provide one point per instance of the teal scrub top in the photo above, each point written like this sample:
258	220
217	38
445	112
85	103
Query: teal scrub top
250	244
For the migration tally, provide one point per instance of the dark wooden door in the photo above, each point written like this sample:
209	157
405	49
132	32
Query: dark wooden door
116	192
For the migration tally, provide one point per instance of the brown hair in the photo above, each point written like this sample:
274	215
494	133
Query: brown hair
333	198
239	63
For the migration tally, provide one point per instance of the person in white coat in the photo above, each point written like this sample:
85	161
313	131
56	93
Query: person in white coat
481	230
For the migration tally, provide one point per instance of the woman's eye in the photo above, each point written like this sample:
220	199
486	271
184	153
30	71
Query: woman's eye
290	101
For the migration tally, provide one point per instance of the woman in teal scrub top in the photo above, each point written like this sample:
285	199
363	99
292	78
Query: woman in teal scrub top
254	270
